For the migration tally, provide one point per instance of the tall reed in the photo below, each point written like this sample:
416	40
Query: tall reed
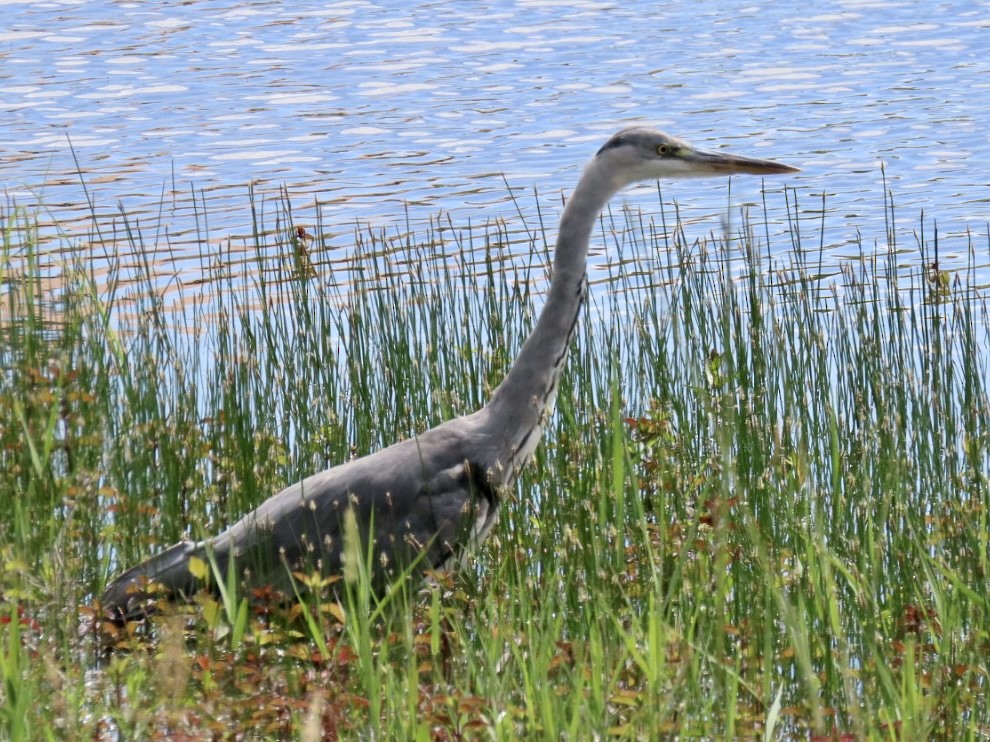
761	507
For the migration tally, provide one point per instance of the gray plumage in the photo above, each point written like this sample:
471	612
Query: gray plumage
427	500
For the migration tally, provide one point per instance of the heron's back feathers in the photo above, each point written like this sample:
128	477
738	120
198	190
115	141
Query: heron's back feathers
422	503
165	574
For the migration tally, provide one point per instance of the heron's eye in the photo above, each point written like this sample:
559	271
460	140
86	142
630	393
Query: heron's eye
664	149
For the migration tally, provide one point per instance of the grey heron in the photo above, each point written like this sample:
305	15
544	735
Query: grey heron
427	500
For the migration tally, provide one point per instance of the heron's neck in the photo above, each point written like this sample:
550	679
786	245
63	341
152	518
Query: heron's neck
523	402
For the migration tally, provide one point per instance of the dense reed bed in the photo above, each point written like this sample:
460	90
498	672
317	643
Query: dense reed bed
761	508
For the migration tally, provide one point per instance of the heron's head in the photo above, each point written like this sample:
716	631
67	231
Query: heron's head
639	153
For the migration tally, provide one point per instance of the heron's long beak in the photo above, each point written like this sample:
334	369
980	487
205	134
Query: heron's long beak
727	164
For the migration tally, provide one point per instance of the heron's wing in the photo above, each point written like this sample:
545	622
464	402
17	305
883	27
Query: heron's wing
421	501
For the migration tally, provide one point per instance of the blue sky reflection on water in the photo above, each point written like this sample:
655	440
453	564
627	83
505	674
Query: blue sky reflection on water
383	111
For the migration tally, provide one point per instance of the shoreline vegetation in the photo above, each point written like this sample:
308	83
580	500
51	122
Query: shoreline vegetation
760	510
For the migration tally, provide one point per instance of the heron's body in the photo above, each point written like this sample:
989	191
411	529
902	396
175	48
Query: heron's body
428	499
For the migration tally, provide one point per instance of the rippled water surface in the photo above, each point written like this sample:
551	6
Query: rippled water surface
388	113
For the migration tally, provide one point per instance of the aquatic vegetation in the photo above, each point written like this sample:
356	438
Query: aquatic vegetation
762	506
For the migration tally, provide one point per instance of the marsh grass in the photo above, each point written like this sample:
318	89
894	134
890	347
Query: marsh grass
761	509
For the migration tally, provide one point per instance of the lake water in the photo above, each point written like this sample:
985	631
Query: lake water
379	112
